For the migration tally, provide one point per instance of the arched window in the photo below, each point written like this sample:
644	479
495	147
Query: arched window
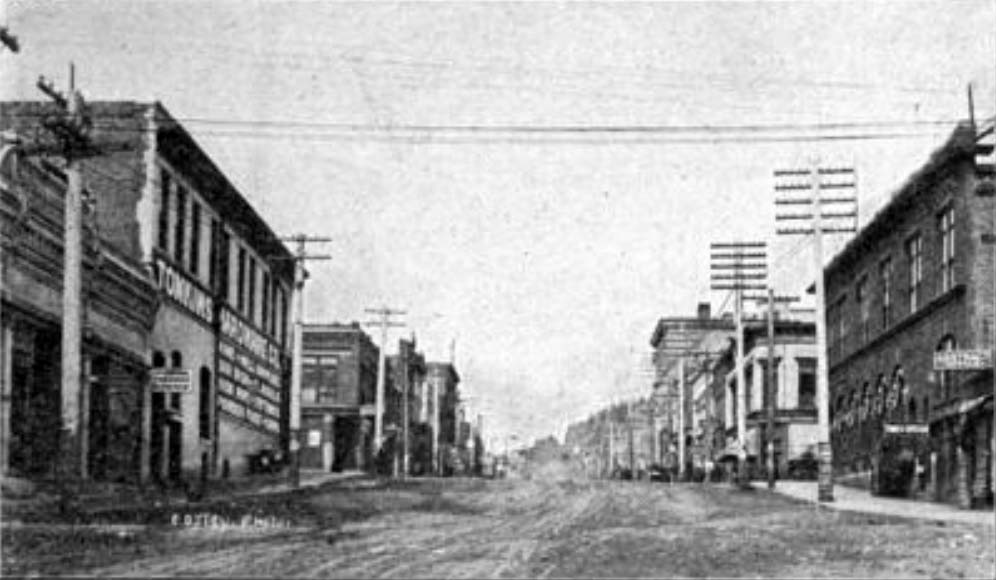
158	360
881	395
205	403
944	378
897	389
176	359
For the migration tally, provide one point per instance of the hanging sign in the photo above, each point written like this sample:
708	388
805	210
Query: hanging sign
963	360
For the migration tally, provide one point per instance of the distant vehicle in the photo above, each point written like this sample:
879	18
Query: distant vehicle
805	467
658	473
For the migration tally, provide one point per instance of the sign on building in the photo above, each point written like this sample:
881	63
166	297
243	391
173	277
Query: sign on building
909	428
962	360
170	380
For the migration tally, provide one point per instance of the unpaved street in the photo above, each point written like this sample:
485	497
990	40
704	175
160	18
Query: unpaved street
508	528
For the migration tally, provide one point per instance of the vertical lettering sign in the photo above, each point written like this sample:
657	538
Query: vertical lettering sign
248	373
182	290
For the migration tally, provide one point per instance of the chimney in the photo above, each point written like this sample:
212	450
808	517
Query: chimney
705	311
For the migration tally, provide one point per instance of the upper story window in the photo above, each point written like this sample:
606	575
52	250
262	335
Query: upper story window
807	383
195	237
946	229
165	185
861	297
224	263
180	224
264	303
240	296
914	261
251	300
213	256
885	273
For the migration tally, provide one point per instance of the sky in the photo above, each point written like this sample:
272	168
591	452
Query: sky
545	258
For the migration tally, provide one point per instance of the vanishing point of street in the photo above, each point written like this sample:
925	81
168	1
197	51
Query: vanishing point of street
544	523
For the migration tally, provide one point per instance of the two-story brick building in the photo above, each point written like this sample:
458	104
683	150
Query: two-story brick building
916	279
338	390
442	380
223	280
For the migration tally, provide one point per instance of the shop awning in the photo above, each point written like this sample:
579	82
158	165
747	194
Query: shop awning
956	408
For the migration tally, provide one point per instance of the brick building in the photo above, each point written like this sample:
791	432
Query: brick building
444	397
407	374
916	279
222	279
703	337
119	306
338	390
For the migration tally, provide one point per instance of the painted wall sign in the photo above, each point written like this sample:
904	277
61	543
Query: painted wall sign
183	290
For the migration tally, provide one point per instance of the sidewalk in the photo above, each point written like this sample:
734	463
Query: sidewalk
857	500
44	505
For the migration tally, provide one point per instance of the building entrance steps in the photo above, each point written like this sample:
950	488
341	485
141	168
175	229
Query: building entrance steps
858	500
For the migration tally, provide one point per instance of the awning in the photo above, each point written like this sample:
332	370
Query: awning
956	408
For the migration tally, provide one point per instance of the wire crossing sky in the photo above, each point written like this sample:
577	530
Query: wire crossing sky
538	181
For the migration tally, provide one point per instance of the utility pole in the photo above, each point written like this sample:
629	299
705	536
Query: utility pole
744	275
770	387
384	321
300	275
71	128
832	214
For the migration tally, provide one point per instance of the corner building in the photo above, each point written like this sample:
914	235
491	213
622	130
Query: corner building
222	281
915	280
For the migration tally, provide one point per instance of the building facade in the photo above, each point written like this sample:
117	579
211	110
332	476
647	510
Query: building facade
338	390
442	380
915	280
684	348
406	386
119	306
222	281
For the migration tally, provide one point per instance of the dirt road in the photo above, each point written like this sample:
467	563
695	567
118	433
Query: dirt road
510	528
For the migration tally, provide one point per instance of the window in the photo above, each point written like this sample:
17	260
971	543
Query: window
224	263
283	318
914	259
885	271
264	303
861	297
240	297
946	228
195	237
204	412
807	384
181	224
164	188
252	290
213	257
176	361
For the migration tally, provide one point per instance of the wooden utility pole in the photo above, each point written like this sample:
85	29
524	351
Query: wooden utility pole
841	217
384	322
744	275
300	275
